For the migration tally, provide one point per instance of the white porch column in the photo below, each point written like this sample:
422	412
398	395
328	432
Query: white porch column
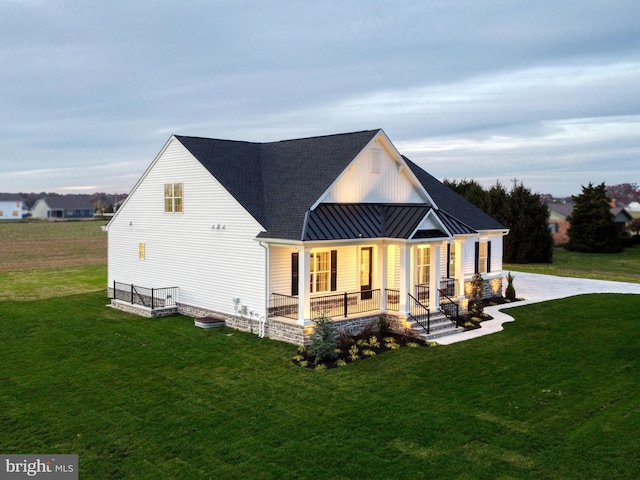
382	274
405	279
459	271
434	278
304	287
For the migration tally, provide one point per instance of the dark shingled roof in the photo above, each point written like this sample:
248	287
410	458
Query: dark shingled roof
10	197
278	183
68	202
453	204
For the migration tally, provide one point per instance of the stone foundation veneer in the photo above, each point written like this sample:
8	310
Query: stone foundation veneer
288	330
491	287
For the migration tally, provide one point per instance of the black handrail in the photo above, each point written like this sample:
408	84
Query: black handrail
445	308
424	311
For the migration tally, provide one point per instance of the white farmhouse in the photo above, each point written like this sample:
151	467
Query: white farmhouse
270	236
10	206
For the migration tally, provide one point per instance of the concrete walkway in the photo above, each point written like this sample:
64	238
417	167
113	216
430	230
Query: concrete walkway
539	288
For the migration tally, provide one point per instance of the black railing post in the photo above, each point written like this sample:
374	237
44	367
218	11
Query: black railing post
152	298
346	303
132	294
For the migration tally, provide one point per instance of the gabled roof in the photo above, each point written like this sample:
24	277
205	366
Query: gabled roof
454	204
279	182
10	197
67	202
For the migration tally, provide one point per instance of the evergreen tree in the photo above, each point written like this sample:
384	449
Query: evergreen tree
529	239
592	229
471	190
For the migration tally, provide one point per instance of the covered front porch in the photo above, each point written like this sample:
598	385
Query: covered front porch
404	279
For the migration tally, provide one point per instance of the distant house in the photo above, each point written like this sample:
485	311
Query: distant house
557	222
63	206
559	225
10	206
268	237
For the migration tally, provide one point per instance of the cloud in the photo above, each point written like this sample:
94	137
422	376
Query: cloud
495	86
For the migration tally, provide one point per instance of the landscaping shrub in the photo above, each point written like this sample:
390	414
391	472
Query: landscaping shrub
324	341
510	293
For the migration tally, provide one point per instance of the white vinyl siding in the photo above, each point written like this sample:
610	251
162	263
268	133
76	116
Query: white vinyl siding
280	269
209	252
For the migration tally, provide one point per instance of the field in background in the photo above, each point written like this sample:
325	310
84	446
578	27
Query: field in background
42	259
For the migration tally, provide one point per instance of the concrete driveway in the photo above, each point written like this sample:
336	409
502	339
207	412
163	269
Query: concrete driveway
535	288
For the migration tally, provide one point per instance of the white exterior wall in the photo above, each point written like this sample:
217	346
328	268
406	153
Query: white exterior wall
348	274
8	210
210	266
496	253
469	253
358	184
40	209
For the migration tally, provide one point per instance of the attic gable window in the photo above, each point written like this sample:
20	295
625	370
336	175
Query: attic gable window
173	197
376	160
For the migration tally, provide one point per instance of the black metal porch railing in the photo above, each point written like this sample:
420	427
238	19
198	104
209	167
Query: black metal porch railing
419	312
393	299
148	297
422	293
345	304
283	306
448	287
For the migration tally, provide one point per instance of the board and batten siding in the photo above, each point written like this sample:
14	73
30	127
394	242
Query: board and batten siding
375	177
209	251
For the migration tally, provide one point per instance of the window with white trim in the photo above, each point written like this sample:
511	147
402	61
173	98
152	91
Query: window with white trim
451	268
320	271
423	265
483	257
173	197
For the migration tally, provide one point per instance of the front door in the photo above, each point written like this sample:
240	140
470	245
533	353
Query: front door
366	260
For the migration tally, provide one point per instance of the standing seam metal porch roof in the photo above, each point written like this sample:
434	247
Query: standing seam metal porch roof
278	183
338	221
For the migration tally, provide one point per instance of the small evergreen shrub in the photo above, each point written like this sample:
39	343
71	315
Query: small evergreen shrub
384	328
324	341
510	293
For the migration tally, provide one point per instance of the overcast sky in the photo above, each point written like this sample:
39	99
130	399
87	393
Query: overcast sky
545	92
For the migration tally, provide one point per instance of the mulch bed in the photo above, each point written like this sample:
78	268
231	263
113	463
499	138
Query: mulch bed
471	321
360	347
371	343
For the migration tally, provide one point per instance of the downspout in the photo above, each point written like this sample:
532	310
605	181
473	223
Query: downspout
263	318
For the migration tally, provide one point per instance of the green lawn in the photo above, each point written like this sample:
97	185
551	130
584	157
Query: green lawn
623	267
556	395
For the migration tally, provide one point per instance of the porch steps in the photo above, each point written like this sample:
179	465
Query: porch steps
440	326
